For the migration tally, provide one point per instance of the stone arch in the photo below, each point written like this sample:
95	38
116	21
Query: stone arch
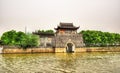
70	47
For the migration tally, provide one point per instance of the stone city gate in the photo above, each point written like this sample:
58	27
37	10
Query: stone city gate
65	39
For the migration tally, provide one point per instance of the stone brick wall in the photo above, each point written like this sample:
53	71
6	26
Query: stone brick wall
61	50
46	41
60	41
29	50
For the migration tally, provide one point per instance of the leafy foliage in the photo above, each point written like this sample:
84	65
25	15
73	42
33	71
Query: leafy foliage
19	39
45	31
98	38
8	38
30	41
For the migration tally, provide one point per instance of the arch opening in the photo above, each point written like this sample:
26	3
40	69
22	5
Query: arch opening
70	48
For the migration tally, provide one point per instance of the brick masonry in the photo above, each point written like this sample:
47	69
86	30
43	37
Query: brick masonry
61	41
61	50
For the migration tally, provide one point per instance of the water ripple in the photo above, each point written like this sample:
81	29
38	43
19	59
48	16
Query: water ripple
60	63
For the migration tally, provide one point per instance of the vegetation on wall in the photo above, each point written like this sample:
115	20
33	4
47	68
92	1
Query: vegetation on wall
90	37
0	40
45	31
98	38
13	38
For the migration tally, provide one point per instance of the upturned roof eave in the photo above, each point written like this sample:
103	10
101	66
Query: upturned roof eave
66	28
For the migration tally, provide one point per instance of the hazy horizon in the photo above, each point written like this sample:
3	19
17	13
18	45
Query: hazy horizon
102	15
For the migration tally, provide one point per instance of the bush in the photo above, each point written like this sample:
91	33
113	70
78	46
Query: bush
47	31
13	38
98	38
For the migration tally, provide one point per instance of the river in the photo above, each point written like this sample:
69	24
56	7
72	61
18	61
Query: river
92	62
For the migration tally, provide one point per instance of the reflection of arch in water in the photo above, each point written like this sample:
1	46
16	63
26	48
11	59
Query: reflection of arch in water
70	47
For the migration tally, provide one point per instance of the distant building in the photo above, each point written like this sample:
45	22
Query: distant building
46	39
65	39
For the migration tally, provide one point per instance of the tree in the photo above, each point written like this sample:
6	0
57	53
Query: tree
98	38
8	38
45	31
20	39
31	41
49	31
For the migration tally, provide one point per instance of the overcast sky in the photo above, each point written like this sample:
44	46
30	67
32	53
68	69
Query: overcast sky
101	15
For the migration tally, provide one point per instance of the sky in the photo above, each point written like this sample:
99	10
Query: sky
103	15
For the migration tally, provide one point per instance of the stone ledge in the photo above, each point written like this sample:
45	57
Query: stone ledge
61	50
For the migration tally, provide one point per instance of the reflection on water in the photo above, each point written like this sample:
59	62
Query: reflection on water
108	62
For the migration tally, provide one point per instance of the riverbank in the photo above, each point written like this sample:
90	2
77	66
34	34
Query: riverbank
60	50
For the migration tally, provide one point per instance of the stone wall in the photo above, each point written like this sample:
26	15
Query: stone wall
61	50
62	40
91	49
29	50
46	41
97	49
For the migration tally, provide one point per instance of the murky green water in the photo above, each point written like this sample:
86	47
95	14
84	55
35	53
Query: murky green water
60	63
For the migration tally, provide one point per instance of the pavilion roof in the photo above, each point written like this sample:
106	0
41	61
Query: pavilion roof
66	26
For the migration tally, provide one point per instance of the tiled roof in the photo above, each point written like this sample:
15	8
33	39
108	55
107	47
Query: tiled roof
66	26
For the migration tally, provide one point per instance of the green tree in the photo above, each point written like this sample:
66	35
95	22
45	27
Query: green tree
8	38
49	31
20	39
98	38
45	31
32	40
0	41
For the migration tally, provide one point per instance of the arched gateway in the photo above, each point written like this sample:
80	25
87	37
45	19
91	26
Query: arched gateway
65	39
70	48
